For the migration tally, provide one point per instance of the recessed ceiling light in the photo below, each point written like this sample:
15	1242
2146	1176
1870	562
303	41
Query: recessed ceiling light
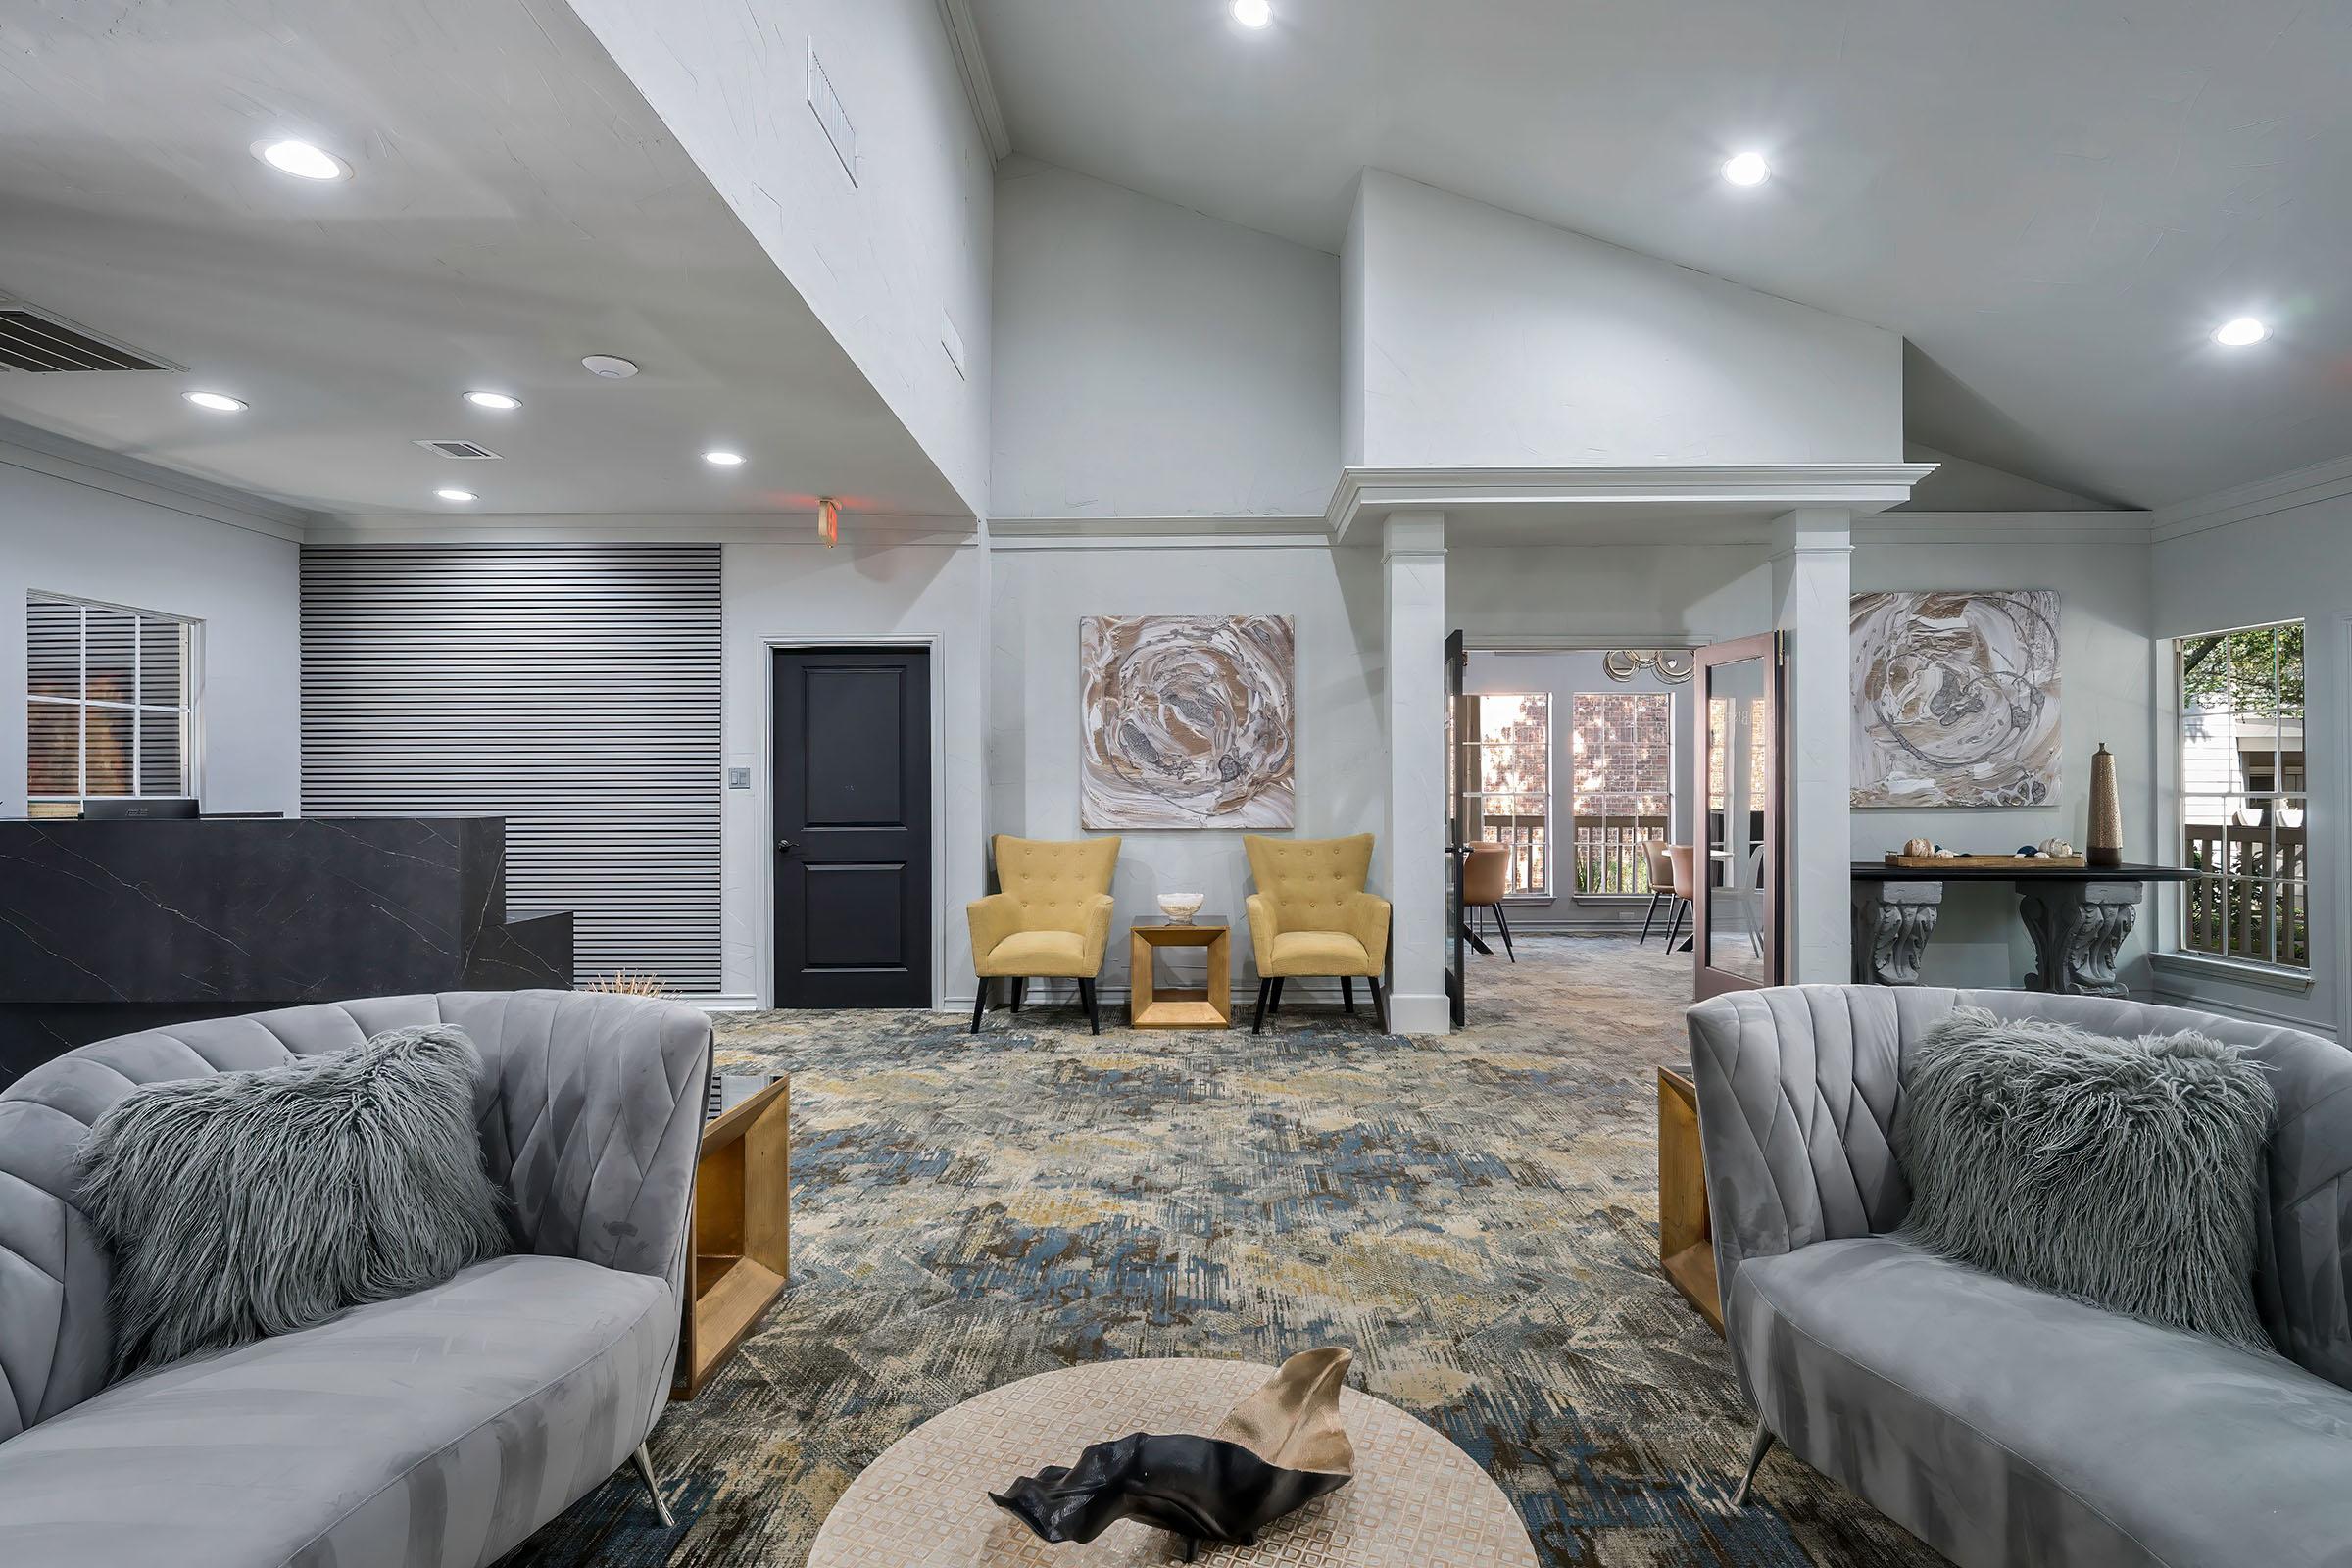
217	402
457	495
1746	169
493	400
302	160
611	367
1252	13
2240	332
726	460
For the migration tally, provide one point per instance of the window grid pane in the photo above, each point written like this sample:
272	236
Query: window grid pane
107	704
1513	771
1621	787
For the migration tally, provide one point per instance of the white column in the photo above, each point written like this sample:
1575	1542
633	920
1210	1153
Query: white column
1812	581
1413	591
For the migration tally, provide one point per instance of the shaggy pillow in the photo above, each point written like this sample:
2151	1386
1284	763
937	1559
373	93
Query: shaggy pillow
250	1204
2124	1173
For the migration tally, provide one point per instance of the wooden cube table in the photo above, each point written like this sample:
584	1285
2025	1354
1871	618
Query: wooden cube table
1150	1006
741	1259
1685	1235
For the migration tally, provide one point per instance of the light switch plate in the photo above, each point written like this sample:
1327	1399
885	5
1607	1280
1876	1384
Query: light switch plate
739	778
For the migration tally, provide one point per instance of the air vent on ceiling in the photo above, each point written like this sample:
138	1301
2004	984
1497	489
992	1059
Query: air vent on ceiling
457	449
35	340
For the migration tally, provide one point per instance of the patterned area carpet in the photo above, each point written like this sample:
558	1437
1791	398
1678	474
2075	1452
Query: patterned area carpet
1475	1216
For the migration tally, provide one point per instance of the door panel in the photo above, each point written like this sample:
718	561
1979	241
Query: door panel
1461	727
852	796
1739	905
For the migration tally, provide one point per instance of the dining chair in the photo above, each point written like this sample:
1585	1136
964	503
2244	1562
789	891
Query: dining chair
1486	878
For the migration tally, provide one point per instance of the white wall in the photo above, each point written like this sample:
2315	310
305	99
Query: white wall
884	262
1669	593
1490	338
1155	363
2288	562
805	592
64	537
1343	771
2105	695
1563	675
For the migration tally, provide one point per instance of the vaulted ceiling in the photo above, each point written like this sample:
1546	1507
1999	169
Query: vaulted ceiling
2054	204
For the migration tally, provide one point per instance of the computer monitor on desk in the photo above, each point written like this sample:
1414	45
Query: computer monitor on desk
173	807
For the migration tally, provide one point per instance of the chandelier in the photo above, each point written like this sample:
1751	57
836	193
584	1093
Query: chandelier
1673	665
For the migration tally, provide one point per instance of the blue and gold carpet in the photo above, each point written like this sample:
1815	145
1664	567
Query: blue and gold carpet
1475	1216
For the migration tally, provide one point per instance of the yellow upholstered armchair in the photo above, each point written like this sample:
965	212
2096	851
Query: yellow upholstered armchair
1310	916
1052	921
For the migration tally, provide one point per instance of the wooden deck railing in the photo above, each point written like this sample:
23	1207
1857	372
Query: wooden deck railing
2264	899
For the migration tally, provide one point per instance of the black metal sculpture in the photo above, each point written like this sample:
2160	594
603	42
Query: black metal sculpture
1280	1450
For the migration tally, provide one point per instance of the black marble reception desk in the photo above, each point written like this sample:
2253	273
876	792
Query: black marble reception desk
106	927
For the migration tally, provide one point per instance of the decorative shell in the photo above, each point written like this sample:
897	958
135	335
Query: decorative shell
1918	847
2056	846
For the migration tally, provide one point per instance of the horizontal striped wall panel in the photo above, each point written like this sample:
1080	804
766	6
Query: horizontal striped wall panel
572	689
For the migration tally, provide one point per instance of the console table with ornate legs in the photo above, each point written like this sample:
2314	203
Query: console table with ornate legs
2078	916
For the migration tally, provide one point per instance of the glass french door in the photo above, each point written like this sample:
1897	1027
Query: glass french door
1459	786
1738	901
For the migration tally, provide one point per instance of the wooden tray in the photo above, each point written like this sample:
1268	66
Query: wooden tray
1988	862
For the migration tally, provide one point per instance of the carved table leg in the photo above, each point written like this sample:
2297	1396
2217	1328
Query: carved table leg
2078	929
1892	921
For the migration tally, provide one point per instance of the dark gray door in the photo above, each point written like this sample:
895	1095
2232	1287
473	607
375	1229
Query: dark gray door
852	827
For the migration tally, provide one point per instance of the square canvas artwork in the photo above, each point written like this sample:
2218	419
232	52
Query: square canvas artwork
1189	720
1956	698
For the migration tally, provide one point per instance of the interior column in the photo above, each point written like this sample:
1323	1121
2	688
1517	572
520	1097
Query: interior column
1413	848
1812	583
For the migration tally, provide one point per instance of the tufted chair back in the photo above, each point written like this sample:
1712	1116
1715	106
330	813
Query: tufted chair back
1055	878
590	1112
1797	1089
1309	880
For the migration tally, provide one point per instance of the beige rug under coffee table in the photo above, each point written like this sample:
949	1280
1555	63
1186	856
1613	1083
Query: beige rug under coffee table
1417	1502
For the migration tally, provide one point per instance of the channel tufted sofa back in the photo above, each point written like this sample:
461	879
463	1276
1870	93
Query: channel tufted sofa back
590	1112
1797	1092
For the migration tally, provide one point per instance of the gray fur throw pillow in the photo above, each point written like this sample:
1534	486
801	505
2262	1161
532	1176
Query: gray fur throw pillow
250	1204
2126	1173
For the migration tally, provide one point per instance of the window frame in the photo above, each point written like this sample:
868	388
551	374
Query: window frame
183	713
2267	968
1476	825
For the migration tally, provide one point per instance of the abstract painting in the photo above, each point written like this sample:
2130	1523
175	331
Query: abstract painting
1956	698
1189	720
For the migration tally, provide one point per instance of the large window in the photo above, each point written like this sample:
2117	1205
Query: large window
1623	787
1513	771
2243	794
108	704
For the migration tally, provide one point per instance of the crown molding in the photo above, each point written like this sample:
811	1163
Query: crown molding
2261	498
1156	533
2004	527
858	529
23	446
971	63
1856	486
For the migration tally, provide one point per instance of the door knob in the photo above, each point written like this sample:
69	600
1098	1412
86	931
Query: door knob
785	846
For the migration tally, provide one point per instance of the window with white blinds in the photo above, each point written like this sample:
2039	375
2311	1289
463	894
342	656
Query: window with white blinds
572	689
110	704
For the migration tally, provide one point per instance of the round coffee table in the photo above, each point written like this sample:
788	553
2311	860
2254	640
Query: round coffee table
1417	1502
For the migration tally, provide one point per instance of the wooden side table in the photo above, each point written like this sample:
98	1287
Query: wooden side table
1152	1006
1685	1238
741	1259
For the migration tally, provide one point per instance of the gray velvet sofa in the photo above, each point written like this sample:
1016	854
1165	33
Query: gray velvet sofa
432	1432
2004	1425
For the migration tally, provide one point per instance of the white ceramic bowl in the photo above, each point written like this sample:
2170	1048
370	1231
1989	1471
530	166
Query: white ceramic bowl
1180	905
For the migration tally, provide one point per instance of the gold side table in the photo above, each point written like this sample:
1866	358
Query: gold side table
1686	1237
741	1259
1153	1007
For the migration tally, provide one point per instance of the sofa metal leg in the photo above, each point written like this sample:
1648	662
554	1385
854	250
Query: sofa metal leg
1020	984
1258	1024
652	1484
1756	1451
979	1004
1274	998
1347	991
1380	1003
1094	1009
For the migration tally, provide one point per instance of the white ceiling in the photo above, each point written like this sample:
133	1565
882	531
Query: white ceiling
516	206
2054	203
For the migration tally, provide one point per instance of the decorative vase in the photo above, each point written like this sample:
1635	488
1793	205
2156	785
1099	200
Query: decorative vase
1279	1450
2104	845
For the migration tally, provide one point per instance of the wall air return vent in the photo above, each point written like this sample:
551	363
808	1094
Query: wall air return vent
44	344
458	449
